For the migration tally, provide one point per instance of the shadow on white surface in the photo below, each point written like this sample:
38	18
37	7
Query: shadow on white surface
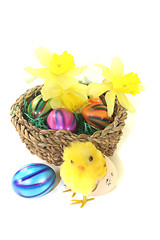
57	172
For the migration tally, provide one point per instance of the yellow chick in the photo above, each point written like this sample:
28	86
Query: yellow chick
83	167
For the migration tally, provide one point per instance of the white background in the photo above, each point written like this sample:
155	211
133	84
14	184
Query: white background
93	32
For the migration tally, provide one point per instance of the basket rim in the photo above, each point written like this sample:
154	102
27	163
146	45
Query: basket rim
16	111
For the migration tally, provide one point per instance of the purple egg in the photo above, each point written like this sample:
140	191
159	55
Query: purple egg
61	119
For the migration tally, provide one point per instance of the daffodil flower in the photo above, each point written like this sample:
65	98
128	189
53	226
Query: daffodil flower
55	67
64	94
60	84
116	84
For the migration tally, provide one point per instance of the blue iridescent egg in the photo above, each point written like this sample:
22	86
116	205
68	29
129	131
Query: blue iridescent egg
33	180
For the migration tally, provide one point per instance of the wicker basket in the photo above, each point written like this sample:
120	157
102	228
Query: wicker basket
49	144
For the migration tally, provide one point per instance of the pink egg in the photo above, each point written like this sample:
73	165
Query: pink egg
109	182
61	119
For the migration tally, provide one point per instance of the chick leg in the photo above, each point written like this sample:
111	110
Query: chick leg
82	201
69	190
73	194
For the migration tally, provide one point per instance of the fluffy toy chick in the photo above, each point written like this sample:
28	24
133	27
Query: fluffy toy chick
83	167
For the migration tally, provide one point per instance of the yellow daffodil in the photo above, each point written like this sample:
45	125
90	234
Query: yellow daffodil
116	84
55	67
64	94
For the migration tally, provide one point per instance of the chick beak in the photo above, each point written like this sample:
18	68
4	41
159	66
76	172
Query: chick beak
81	168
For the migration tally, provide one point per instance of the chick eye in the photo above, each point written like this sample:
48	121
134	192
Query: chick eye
90	158
72	161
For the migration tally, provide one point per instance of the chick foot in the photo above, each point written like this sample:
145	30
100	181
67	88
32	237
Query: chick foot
82	201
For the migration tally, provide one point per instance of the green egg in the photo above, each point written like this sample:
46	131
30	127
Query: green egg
39	108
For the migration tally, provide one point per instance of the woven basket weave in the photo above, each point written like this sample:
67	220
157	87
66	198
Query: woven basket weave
49	144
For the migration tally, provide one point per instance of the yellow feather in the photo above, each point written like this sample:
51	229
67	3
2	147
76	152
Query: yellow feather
83	167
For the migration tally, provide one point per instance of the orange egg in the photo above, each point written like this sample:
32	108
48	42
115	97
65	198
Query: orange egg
96	115
96	101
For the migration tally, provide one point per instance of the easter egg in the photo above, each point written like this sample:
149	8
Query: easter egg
61	119
109	182
96	101
33	180
39	108
96	115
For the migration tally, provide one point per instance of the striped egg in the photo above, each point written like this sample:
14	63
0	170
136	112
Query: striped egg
39	108
96	101
97	115
33	180
61	119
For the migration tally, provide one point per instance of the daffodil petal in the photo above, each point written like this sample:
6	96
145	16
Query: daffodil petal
50	90
117	67
37	72
100	65
123	100
107	74
66	81
75	97
72	101
51	82
96	89
44	55
110	101
50	94
76	71
57	102
79	90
